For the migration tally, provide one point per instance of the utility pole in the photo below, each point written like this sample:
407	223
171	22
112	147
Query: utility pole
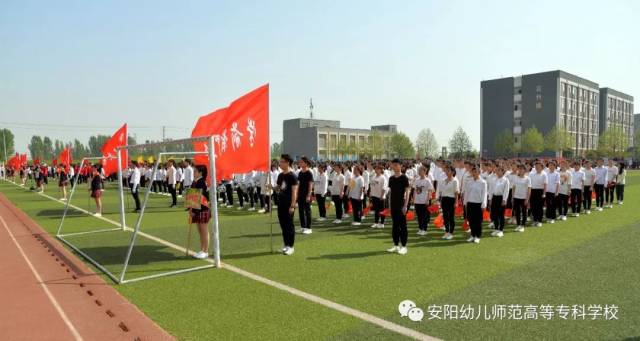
311	107
4	144
163	133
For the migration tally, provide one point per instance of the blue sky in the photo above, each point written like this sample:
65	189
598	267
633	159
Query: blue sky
417	64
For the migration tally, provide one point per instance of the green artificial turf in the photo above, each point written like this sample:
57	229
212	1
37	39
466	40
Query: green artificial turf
588	260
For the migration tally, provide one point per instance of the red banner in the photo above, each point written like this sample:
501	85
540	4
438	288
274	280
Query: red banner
109	149
240	133
65	158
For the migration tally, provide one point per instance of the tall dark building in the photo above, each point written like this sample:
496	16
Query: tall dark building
616	111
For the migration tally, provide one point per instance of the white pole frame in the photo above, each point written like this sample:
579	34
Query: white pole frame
212	199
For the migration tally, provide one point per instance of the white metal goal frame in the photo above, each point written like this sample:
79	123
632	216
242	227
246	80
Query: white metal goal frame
135	231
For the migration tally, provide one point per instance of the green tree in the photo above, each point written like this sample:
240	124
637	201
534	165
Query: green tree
78	150
636	142
7	144
532	141
460	144
558	140
377	145
401	146
47	151
36	147
426	144
613	142
342	148
96	142
504	143
276	150
58	147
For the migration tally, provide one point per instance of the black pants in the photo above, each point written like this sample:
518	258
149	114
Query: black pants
474	214
576	200
620	192
174	199
136	198
537	204
252	196
345	200
286	224
267	202
304	212
229	190
356	209
180	186
423	216
599	194
586	198
322	209
399	231
563	204
378	207
497	212
240	196
259	196
551	205
608	194
520	211
448	213
337	201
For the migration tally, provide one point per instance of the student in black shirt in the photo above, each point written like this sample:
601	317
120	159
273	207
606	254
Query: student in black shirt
96	190
399	190
287	189
305	186
202	216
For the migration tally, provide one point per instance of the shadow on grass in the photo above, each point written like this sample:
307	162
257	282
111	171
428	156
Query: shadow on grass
141	254
58	213
339	256
248	255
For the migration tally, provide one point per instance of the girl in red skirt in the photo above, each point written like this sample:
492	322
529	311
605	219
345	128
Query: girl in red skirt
96	190
202	216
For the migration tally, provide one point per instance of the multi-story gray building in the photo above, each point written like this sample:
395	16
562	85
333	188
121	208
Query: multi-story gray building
326	140
616	110
636	126
541	100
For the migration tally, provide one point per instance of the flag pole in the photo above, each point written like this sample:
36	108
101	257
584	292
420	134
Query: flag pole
213	201
122	216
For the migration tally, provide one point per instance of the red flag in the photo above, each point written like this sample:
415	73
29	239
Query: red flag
23	159
65	158
54	162
36	161
109	149
240	132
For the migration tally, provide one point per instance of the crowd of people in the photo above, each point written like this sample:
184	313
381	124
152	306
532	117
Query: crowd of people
502	191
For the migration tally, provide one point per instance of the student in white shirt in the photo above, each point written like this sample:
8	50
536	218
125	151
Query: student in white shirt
622	175
378	194
521	194
422	194
601	181
320	190
347	181
179	178
134	183
564	191
553	183
475	199
448	193
171	182
538	190
249	185
612	177
589	181
337	192
499	194
577	184
356	194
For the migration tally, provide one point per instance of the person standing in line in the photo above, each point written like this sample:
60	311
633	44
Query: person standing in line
187	175
499	194
612	178
423	187
521	194
63	181
553	183
378	196
171	182
320	190
305	188
589	181
399	190
475	199
202	216
356	195
96	190
346	171
179	178
601	181
134	183
577	184
337	192
287	189
366	176
621	180
249	185
564	191
539	182
448	193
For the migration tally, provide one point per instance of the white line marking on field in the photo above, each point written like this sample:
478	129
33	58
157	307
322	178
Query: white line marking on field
53	300
310	297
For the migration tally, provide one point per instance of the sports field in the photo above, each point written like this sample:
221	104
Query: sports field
591	260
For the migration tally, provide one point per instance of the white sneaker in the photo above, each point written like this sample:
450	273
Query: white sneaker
345	216
552	221
251	209
402	250
395	248
471	239
621	202
97	215
563	218
284	248
476	240
495	233
240	208
356	223
520	228
262	211
490	225
538	224
307	231
445	235
449	237
201	255
380	226
63	199
422	232
374	226
600	209
588	212
500	234
321	219
229	206
337	221
289	251
576	215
